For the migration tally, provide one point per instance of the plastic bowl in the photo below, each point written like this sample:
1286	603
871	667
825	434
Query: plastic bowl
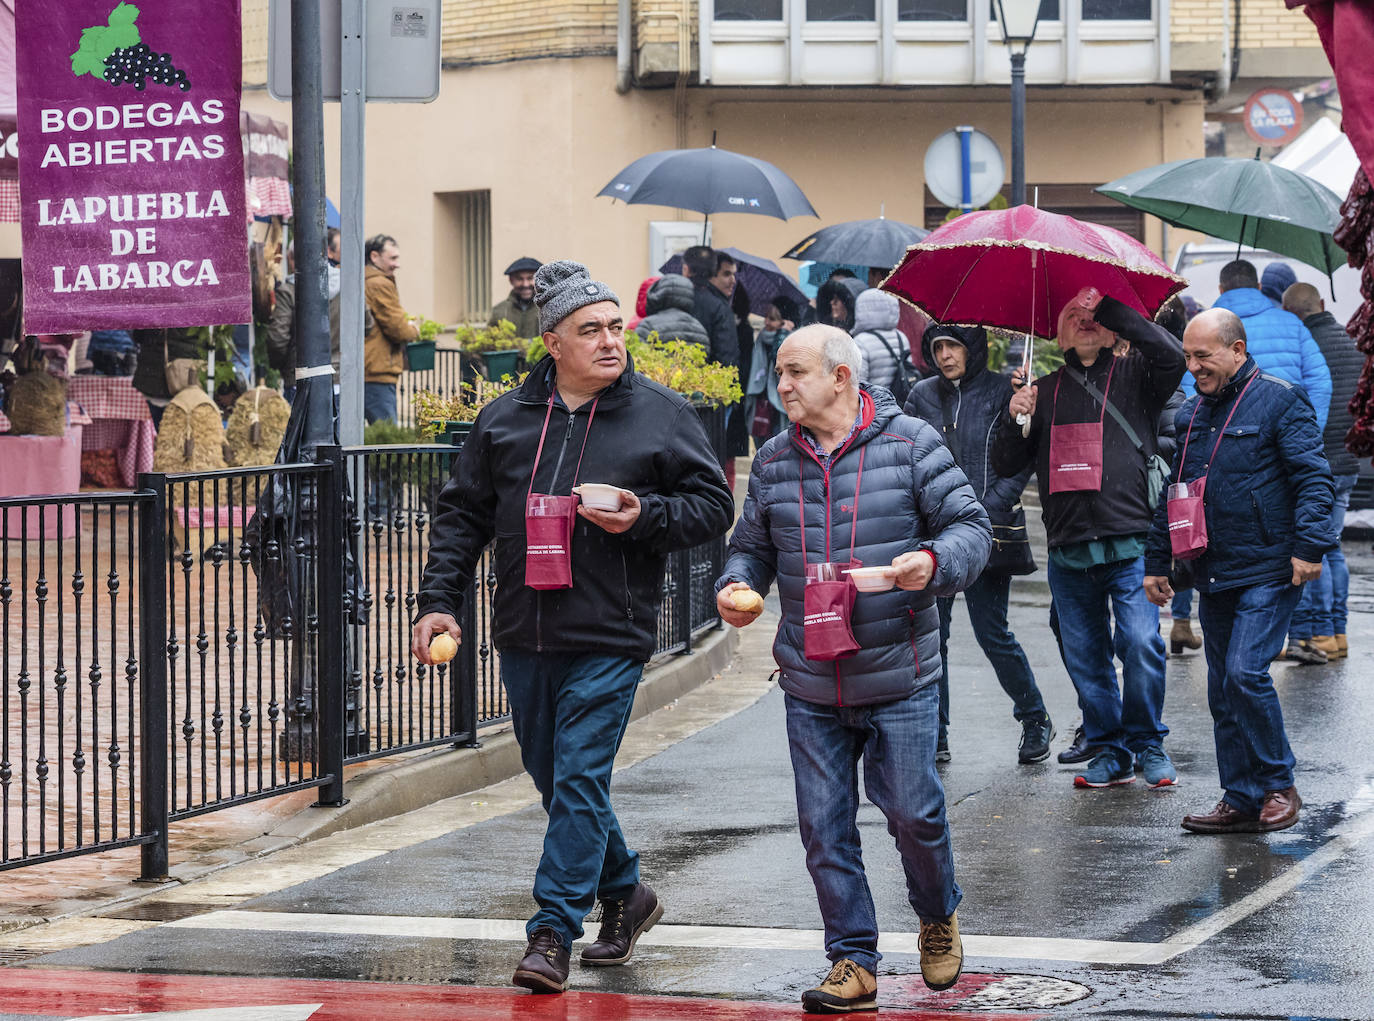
872	579
599	496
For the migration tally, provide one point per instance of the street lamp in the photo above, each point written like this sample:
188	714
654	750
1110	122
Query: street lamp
1019	19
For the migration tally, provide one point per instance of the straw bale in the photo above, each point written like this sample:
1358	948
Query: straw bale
270	411
191	437
38	405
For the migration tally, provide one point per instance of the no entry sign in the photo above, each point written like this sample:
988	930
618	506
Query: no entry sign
131	173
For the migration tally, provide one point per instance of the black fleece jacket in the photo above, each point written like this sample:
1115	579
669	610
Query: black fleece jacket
644	437
1142	383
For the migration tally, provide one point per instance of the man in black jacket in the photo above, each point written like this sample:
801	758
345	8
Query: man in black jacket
1320	617
964	403
711	307
1091	457
572	654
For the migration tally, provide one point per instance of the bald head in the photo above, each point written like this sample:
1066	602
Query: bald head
1214	348
830	344
1303	300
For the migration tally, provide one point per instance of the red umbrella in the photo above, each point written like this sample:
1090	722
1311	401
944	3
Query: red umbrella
1015	269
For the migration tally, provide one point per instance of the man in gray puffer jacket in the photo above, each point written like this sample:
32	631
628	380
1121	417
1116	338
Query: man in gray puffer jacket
669	306
853	479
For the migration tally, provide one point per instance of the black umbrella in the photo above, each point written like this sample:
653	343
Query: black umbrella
709	181
763	279
881	242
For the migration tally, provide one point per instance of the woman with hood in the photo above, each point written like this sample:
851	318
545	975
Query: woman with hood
836	299
884	347
669	306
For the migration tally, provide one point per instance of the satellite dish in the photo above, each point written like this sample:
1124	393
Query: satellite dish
944	168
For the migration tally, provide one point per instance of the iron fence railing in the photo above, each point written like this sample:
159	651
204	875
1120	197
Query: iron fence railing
218	637
452	368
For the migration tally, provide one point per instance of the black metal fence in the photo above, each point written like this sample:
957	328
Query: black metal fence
192	645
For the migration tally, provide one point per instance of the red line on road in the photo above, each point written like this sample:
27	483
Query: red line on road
53	993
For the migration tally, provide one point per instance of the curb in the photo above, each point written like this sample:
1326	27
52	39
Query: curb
453	771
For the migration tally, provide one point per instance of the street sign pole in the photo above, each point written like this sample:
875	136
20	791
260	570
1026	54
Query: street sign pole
353	144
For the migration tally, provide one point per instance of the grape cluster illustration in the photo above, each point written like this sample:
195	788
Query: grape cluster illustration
137	65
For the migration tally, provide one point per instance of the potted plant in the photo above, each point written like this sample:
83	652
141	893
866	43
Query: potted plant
420	353
448	419
499	349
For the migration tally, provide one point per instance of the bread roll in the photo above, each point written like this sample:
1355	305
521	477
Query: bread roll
442	648
746	600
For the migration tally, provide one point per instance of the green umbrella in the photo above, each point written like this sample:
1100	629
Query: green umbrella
1249	202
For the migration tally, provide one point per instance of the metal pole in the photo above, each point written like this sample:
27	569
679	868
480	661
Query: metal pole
352	146
152	696
330	681
1018	128
965	168
312	281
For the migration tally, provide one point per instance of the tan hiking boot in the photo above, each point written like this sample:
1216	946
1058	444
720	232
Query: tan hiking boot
942	953
1342	645
1181	636
846	989
1327	644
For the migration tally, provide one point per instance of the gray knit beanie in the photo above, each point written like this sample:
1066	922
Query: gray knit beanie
562	287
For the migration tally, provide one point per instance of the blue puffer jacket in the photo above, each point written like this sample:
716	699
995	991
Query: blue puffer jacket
911	496
1269	490
1280	345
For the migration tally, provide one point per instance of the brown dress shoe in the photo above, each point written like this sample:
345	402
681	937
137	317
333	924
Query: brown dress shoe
1280	810
1225	818
544	968
622	923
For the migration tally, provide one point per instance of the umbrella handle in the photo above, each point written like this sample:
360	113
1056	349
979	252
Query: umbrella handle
1024	421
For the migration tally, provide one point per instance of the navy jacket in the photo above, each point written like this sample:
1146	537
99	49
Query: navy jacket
912	496
966	415
1269	490
644	437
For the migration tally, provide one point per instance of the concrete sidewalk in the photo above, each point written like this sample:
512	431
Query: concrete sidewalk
377	789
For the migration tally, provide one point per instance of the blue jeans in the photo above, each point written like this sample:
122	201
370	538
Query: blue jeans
379	402
1321	610
986	600
1182	606
897	743
1242	631
1126	719
569	712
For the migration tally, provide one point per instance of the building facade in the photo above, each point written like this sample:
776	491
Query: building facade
543	101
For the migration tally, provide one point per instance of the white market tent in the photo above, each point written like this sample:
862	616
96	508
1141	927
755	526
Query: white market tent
1323	153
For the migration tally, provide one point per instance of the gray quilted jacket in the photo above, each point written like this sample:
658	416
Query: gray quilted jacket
912	496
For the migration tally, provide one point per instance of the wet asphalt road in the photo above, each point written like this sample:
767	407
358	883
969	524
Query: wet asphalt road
713	818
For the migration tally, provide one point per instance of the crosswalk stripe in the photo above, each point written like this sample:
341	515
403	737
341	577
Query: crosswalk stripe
1082	951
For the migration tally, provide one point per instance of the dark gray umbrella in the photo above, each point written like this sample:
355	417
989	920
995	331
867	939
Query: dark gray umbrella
763	279
881	242
709	181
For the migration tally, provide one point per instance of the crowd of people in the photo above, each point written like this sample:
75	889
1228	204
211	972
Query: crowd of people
1197	455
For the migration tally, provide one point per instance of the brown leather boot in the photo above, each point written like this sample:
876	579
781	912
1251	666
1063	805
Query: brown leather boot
1280	810
544	968
1342	645
1327	644
622	923
942	953
848	988
1181	636
1225	818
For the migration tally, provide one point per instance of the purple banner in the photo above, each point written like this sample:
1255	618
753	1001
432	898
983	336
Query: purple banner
131	174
